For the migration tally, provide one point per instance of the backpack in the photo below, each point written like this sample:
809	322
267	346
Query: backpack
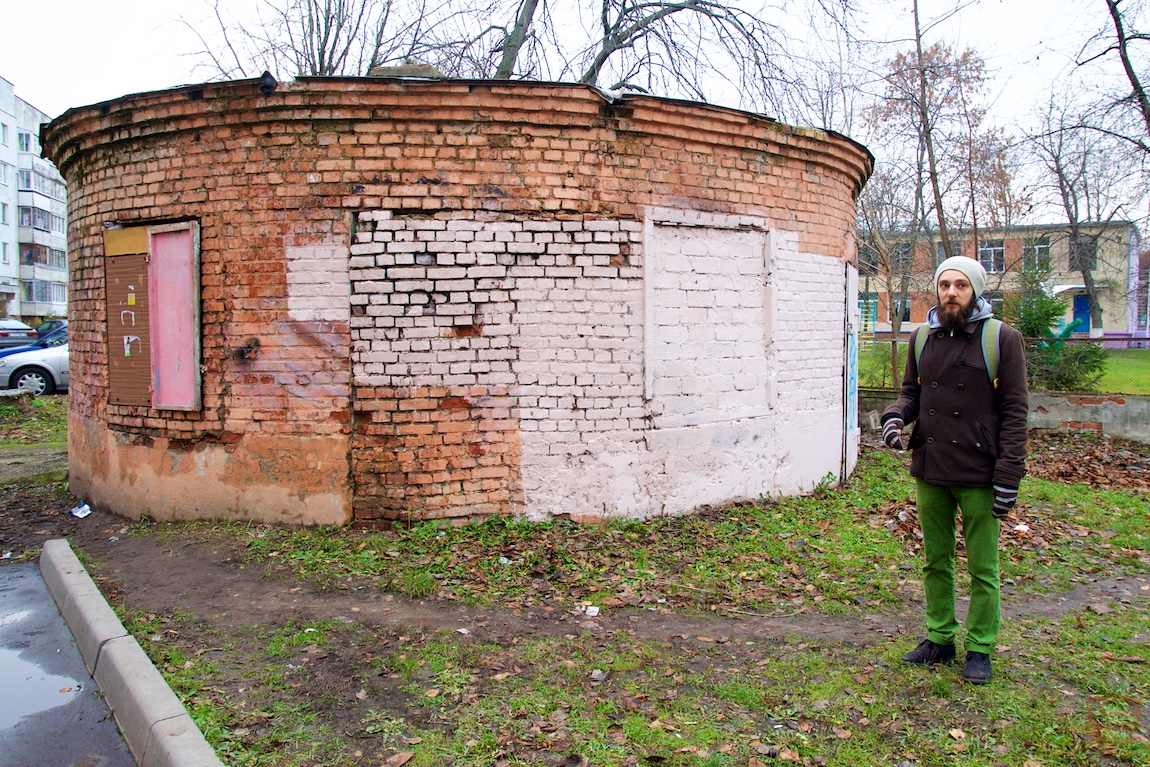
991	329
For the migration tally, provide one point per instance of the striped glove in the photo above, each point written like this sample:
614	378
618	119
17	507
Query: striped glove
892	432
1004	500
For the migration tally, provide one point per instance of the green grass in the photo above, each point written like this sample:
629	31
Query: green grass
831	551
38	422
1127	372
874	365
1068	687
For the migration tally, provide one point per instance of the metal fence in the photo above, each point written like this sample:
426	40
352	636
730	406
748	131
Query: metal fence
1112	365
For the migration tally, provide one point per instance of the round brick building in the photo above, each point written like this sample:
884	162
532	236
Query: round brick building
370	300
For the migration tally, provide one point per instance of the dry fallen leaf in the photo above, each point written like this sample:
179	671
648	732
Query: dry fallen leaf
400	759
432	693
841	733
361	695
957	734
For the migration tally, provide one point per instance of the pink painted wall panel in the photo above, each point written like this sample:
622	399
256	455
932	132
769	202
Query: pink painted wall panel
173	293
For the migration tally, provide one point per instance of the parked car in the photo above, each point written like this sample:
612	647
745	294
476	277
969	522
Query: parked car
55	338
49	326
15	333
40	371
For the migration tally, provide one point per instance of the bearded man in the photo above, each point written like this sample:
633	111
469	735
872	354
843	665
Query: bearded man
968	453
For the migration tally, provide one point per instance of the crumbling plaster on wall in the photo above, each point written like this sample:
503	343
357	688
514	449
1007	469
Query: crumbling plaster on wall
284	480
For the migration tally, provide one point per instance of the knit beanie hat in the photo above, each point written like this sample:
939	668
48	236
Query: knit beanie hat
968	266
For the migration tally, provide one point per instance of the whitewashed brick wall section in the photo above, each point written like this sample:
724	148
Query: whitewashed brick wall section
541	304
317	281
810	354
556	311
707	299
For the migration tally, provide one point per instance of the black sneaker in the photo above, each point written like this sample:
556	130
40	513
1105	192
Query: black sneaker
928	654
977	669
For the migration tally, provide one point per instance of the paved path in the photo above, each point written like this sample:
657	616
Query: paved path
51	714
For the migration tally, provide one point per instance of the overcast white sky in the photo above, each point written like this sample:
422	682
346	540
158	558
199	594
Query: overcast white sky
68	53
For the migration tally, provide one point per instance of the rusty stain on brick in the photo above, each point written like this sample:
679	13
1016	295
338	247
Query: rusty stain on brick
466	331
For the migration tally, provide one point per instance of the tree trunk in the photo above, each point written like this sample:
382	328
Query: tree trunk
928	138
1139	94
514	42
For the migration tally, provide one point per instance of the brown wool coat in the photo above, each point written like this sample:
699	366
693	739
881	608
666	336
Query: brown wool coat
966	432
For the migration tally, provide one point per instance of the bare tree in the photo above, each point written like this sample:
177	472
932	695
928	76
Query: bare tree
926	103
309	37
1122	112
699	49
1092	175
890	226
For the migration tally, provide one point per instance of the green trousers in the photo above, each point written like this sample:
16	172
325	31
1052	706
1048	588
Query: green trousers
937	508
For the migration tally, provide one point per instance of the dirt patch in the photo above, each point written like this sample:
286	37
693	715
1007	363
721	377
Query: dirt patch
17	463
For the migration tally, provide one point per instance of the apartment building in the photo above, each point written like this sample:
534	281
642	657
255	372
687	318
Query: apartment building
9	261
33	215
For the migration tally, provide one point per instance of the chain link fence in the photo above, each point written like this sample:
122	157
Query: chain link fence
1112	365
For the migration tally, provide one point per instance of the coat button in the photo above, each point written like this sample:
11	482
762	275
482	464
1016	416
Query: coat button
932	411
954	442
934	384
961	387
956	414
930	440
978	444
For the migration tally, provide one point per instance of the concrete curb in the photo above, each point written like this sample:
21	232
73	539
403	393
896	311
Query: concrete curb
154	723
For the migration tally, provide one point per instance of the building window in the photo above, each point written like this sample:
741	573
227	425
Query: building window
1036	251
992	255
4	134
902	307
4	257
45	292
31	253
5	173
3	213
995	299
902	258
24	141
868	260
38	218
1083	252
34	181
939	253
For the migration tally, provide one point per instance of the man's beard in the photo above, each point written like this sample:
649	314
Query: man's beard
952	319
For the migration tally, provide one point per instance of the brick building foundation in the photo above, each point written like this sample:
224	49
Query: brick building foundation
368	300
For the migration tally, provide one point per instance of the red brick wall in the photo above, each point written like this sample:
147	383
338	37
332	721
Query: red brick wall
266	174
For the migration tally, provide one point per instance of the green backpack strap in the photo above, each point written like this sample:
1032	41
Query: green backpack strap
921	333
991	329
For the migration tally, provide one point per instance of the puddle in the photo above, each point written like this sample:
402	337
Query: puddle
14	617
28	690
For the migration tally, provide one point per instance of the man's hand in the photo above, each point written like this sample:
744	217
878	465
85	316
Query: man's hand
1004	500
892	433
